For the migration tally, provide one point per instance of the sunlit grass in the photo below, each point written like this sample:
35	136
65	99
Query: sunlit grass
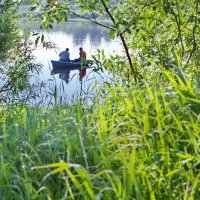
134	143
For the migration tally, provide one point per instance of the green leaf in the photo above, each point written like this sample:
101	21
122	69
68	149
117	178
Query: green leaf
37	40
33	8
128	31
112	34
42	38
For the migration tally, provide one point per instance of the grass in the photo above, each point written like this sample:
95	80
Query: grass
134	143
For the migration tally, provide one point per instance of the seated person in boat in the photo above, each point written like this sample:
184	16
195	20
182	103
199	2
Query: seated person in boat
82	54
64	55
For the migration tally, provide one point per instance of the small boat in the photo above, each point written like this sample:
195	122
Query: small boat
64	70
72	64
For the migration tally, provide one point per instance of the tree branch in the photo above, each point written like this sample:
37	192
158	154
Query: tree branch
94	17
122	39
94	21
177	20
193	37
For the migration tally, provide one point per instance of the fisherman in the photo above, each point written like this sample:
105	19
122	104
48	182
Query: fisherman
82	54
64	55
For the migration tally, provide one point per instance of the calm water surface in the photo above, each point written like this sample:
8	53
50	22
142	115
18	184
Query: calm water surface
74	35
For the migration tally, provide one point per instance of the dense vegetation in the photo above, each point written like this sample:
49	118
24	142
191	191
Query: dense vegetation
16	58
140	136
136	143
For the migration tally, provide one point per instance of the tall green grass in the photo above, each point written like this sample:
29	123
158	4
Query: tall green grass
133	143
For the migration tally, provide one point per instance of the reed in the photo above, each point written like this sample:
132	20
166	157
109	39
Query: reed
134	143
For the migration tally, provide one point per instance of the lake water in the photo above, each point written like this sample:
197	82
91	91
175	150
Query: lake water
74	35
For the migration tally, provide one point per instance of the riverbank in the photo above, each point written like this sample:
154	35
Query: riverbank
135	143
25	11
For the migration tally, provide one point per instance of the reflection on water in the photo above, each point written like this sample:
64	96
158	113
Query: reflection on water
79	31
64	73
65	76
73	35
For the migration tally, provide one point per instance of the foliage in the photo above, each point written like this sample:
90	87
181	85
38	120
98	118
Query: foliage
16	58
9	31
165	31
134	143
